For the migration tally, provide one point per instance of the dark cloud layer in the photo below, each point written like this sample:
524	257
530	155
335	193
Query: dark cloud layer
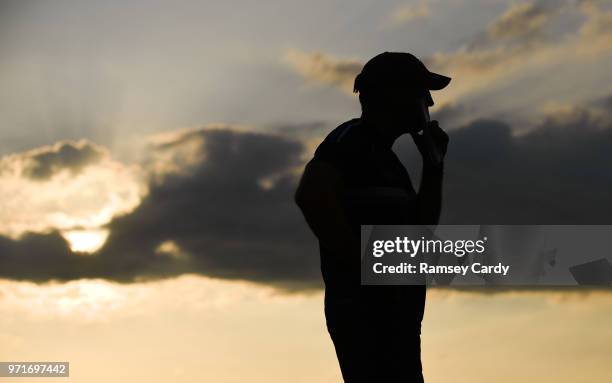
220	215
227	223
559	173
556	175
44	162
41	164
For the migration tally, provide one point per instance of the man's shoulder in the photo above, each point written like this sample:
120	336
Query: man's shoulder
346	132
347	138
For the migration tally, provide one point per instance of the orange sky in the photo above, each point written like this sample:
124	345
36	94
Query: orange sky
194	329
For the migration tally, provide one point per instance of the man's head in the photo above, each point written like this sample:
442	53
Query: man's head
394	90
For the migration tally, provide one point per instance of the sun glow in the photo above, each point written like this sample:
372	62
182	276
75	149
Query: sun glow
86	241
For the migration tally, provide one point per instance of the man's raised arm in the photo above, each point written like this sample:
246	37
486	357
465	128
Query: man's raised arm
430	191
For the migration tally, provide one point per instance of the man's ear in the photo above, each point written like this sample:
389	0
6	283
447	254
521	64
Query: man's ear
361	99
369	101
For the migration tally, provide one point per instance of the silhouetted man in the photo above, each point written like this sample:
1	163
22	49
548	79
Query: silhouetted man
355	178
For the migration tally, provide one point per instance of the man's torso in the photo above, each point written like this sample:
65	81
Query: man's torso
378	190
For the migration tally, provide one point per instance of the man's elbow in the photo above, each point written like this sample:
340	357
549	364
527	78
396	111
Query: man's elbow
305	202
317	187
299	197
302	200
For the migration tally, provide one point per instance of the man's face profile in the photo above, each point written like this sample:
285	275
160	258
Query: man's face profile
401	109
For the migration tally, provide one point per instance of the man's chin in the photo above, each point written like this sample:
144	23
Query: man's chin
414	129
409	126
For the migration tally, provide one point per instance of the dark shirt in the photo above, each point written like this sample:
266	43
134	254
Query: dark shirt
378	190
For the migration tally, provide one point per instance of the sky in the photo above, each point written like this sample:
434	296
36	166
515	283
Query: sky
149	152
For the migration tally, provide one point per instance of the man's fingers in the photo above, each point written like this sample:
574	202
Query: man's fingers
434	127
437	132
439	136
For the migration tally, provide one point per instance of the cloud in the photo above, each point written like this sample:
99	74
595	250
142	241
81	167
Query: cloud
521	20
516	42
64	186
98	300
233	216
596	114
597	29
42	163
324	69
410	12
229	214
452	114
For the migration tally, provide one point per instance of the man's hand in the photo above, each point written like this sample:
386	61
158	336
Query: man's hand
432	144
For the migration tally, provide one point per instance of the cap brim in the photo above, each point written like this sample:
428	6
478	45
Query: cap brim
437	81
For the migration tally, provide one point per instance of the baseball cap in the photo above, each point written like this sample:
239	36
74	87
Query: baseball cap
398	68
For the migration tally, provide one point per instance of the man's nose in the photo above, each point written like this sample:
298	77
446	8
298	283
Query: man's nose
429	99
